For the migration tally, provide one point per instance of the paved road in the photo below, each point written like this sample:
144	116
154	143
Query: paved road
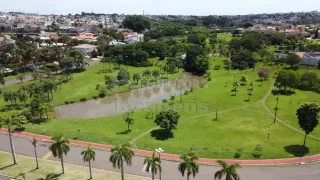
305	172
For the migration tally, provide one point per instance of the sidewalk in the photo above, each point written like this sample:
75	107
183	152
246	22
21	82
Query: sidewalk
177	157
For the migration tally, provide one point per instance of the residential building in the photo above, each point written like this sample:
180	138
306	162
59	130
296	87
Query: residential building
85	49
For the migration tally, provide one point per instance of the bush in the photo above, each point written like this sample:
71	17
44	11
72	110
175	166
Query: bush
257	152
217	67
66	102
83	99
164	100
238	153
71	102
186	93
95	97
98	86
102	94
94	54
53	67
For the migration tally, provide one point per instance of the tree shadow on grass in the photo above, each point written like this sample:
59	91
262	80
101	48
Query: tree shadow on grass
40	121
297	150
4	167
23	175
51	176
124	132
19	129
282	92
161	134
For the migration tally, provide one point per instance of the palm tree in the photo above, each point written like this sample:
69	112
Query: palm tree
34	142
188	164
59	147
227	170
120	154
153	163
10	120
89	155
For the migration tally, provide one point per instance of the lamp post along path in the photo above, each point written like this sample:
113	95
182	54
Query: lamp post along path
159	151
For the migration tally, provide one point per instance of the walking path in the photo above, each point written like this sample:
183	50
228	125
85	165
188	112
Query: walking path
174	156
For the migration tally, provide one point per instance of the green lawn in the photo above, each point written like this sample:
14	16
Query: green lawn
288	104
241	123
212	96
84	84
52	170
224	36
14	76
243	128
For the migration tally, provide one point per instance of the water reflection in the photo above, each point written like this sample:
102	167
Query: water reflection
135	99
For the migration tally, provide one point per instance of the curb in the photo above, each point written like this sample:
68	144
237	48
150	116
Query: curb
174	157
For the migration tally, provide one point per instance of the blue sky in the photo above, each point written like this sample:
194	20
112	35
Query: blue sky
184	7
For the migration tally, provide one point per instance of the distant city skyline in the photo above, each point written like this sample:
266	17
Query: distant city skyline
159	7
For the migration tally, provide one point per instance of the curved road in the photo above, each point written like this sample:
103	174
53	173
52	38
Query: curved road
170	172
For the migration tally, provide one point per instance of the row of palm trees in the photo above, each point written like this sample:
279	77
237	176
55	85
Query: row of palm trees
123	154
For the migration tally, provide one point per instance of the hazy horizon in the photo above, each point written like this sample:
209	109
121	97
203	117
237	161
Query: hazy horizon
158	7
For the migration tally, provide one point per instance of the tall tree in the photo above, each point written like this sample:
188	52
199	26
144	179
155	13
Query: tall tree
119	154
227	170
308	116
88	155
34	143
286	79
128	118
153	164
167	120
136	23
60	147
188	165
136	77
2	81
10	120
293	60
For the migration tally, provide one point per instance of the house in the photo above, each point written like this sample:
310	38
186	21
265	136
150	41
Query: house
87	36
85	49
279	57
280	49
130	41
116	43
6	40
4	27
310	59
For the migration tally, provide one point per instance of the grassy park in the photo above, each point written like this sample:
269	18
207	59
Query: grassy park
52	170
215	121
241	123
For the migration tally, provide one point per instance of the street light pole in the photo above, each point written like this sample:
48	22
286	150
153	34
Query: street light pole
180	93
172	98
234	82
159	150
276	110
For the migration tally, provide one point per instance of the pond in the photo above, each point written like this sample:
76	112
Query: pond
134	99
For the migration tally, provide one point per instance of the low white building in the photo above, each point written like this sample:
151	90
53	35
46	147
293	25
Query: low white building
85	49
310	59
